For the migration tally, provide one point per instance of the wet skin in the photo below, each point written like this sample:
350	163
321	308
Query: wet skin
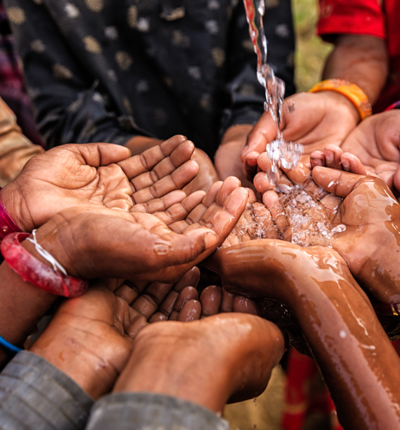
369	211
371	242
356	358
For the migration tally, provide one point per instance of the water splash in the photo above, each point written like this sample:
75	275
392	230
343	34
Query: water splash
289	154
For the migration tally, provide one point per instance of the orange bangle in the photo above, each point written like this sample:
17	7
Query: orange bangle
351	91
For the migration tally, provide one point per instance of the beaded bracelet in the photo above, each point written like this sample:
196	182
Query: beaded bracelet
9	345
7	225
37	273
351	91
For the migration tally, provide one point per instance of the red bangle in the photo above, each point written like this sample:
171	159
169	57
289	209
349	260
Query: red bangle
37	273
7	225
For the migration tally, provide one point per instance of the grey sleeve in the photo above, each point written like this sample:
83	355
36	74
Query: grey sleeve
147	411
36	395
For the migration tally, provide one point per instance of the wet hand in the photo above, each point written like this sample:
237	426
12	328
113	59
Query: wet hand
370	243
317	120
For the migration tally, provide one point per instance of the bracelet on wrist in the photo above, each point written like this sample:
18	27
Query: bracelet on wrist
9	346
31	270
7	225
351	91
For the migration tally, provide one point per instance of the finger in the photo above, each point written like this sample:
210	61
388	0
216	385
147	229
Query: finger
245	305
160	204
263	132
278	214
227	301
333	154
139	164
180	211
263	183
351	163
301	175
262	220
128	291
151	298
191	311
165	167
317	158
175	181
335	181
198	212
250	164
228	186
186	295
183	291
264	162
211	299
221	220
190	279
99	154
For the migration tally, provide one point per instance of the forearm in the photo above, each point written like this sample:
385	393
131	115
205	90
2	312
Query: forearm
361	60
21	306
358	363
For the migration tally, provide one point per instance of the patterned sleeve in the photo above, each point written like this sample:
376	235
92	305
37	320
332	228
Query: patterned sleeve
68	106
247	95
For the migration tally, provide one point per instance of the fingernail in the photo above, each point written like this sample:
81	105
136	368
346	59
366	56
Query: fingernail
346	165
315	162
252	162
329	157
211	239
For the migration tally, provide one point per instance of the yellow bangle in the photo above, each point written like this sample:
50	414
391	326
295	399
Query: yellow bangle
351	91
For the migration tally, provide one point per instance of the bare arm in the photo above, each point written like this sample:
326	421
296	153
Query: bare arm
362	60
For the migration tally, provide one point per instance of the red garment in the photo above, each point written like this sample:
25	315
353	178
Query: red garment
305	394
377	18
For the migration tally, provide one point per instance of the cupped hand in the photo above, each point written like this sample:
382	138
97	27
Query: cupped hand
376	143
317	120
302	212
97	175
102	242
90	337
371	242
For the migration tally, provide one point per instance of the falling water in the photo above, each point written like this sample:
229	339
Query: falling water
281	153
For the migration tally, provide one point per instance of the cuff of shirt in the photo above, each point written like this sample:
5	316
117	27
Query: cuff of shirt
36	395
151	411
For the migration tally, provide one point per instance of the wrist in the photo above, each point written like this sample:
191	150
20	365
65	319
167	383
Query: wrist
349	92
73	352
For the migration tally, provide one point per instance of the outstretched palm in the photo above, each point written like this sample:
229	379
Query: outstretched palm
100	175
